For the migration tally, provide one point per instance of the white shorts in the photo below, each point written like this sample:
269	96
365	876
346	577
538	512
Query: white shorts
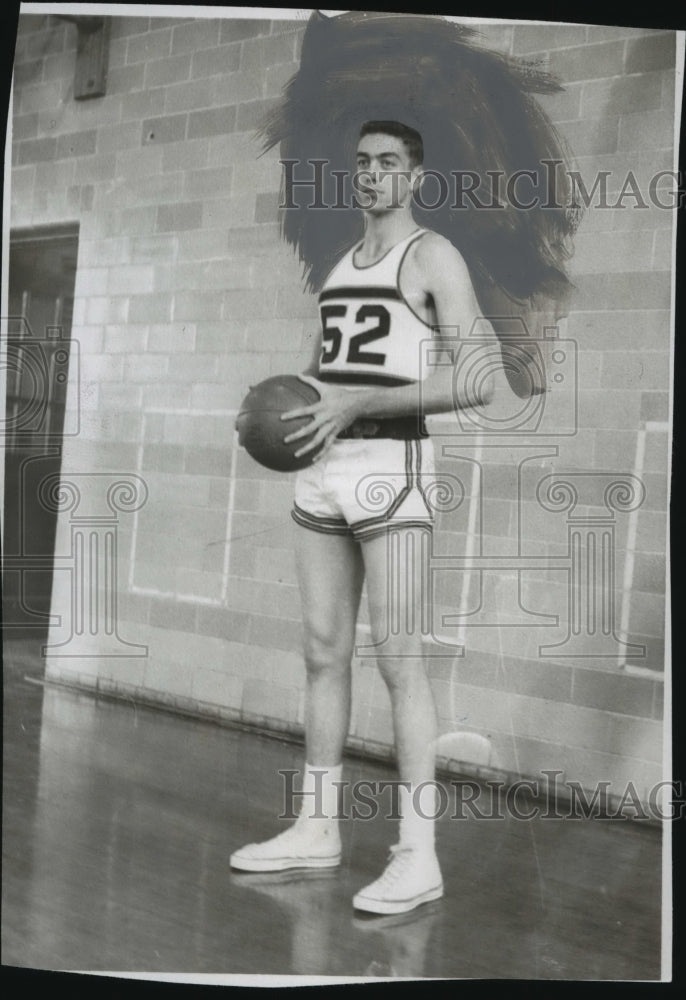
364	486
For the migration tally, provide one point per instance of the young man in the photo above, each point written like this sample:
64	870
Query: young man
389	294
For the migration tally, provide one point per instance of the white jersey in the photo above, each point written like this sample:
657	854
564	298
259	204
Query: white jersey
370	334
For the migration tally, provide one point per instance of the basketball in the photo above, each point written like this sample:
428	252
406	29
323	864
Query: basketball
260	429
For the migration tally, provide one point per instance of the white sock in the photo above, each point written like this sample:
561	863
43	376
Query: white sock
417	812
320	801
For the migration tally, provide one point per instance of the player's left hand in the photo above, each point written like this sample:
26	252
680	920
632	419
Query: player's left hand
332	413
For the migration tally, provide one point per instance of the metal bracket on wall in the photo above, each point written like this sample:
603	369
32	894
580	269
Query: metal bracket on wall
92	50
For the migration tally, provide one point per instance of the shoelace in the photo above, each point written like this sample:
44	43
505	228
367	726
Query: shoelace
293	834
398	859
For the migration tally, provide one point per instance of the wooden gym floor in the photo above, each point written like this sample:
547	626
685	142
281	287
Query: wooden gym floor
118	822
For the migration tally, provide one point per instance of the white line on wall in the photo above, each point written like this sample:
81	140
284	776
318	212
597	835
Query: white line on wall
174	594
650	427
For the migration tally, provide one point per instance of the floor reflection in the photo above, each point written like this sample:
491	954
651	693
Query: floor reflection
400	941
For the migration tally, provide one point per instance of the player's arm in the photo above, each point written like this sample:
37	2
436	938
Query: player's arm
445	276
313	367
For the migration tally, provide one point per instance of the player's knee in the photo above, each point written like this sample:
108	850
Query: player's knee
395	637
399	668
325	653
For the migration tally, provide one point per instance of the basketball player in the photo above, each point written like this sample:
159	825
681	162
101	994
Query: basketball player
400	286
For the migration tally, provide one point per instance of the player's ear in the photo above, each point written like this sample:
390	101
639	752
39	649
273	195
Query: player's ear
417	174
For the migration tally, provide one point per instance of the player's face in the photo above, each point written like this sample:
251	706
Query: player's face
385	174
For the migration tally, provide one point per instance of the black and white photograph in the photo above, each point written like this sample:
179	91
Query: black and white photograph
337	355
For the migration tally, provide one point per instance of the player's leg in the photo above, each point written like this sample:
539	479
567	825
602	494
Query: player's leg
397	594
397	580
330	575
390	511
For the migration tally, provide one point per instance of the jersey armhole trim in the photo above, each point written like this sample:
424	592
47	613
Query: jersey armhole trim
418	236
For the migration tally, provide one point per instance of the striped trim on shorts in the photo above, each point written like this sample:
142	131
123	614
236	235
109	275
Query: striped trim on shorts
335	496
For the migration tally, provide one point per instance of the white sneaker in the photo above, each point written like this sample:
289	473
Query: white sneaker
298	847
411	878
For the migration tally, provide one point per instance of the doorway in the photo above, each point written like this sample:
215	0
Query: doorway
42	274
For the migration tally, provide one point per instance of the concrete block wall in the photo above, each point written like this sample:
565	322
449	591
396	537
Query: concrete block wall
185	296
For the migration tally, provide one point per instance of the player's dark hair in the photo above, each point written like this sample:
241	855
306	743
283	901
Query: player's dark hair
410	137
